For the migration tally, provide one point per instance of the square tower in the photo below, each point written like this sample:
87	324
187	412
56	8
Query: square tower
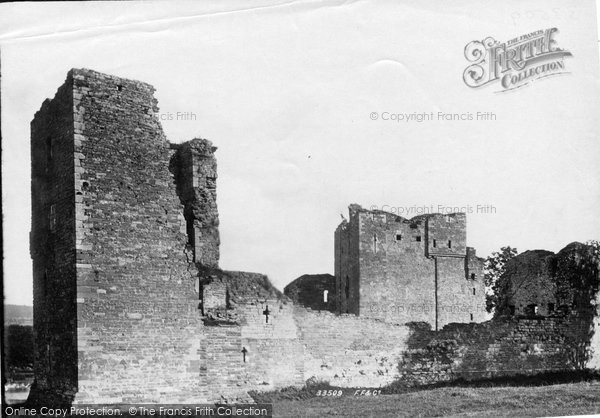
408	270
115	303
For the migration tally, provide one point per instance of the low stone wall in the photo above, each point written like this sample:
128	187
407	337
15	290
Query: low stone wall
297	344
501	347
346	350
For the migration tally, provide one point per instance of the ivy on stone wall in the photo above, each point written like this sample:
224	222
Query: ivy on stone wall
575	270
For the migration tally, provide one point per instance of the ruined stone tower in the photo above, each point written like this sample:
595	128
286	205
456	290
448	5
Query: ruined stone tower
195	170
406	270
130	304
111	256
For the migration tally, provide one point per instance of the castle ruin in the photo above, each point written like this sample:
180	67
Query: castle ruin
131	306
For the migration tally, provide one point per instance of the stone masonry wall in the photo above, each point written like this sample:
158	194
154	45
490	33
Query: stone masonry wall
53	245
195	169
397	281
299	344
274	350
347	265
350	351
501	347
251	355
137	317
416	270
338	239
250	340
530	283
460	299
446	234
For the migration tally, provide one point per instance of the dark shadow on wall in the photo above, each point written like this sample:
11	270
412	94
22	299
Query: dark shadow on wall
315	291
526	345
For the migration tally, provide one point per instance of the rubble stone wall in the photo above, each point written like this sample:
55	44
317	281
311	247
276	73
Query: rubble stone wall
500	347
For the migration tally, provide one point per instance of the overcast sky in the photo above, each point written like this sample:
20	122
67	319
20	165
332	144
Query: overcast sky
286	91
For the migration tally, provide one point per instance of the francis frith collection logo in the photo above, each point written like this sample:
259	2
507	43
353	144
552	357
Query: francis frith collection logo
514	63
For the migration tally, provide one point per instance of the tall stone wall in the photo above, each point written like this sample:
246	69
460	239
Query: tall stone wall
347	264
460	299
195	169
137	306
123	304
397	280
53	243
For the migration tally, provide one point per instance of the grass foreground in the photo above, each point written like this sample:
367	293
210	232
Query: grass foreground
483	399
558	400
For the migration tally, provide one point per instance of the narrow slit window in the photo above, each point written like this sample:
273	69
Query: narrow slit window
449	244
374	243
473	290
325	292
471	317
434	243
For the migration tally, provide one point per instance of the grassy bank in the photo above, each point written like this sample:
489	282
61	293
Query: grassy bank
565	393
524	401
